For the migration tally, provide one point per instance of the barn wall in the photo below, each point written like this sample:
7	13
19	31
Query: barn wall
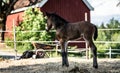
17	18
71	10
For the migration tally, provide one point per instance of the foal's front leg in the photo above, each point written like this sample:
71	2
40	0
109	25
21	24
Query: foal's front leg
64	53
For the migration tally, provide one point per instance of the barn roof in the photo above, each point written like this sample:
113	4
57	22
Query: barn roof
88	4
23	5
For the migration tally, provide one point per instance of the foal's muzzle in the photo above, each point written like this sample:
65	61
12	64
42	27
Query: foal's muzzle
46	28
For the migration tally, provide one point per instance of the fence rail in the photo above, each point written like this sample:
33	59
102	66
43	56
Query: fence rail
110	53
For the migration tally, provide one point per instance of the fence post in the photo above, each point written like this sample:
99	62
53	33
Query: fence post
56	44
56	49
14	32
110	53
87	51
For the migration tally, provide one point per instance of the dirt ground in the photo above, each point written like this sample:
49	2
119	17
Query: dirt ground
53	65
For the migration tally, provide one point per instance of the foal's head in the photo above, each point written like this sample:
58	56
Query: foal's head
49	21
54	20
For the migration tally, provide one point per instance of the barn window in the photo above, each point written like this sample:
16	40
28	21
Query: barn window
86	16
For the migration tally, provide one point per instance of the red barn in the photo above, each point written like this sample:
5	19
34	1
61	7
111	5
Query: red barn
71	10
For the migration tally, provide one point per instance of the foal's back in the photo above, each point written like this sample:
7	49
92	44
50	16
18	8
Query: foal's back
79	29
83	26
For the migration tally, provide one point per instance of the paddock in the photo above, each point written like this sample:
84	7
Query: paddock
53	65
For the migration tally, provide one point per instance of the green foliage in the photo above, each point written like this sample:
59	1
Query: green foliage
32	28
9	43
33	20
109	35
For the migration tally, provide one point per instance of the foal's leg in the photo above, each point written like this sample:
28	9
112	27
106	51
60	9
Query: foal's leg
94	51
64	53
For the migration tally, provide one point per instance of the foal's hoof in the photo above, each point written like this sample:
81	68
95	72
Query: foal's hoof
95	66
65	65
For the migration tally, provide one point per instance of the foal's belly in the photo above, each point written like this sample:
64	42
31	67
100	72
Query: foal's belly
74	37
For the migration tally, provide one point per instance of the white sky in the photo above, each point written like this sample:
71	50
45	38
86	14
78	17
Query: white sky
104	9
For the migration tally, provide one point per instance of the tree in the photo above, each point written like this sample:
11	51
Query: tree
6	6
109	35
33	20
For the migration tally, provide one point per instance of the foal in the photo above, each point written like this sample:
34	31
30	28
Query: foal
66	31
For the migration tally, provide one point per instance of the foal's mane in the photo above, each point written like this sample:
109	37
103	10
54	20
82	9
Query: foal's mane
59	18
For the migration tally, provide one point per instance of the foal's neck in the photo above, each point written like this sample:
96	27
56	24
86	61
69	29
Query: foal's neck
60	22
60	25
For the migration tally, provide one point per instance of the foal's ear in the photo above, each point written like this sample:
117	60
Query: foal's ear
47	14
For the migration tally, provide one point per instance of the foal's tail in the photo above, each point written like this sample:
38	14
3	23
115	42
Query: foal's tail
95	33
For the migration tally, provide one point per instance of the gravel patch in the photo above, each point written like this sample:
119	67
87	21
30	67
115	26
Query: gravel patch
53	65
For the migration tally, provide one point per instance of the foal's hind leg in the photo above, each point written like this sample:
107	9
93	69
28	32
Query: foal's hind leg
64	53
94	51
90	43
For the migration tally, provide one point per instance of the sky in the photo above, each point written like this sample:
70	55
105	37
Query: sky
104	10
